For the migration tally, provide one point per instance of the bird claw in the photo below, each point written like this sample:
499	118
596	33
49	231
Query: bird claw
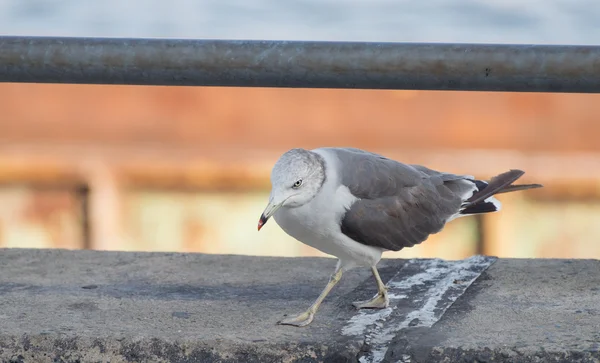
380	301
301	320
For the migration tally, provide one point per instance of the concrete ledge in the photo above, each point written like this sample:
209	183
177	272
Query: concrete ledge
87	306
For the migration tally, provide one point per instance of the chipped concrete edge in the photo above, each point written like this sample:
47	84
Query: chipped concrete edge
41	348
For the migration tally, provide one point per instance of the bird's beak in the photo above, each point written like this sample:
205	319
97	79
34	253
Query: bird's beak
268	212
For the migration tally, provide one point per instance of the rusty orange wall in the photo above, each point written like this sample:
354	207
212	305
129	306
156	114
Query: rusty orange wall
140	125
214	118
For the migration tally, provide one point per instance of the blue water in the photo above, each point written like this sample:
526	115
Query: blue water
487	21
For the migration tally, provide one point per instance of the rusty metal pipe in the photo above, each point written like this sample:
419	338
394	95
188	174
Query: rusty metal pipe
417	66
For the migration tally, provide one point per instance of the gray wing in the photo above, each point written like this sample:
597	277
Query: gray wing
399	205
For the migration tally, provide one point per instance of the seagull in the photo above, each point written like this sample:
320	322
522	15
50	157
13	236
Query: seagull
355	205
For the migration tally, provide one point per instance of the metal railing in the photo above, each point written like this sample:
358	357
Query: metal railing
178	62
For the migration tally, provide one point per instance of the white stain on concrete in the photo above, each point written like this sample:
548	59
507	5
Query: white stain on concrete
439	276
359	323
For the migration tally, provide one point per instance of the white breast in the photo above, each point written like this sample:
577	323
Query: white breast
317	223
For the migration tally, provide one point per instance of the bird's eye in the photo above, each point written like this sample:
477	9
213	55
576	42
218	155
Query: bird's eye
297	184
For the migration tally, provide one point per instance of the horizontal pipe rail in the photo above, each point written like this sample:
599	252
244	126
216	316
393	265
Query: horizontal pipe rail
417	66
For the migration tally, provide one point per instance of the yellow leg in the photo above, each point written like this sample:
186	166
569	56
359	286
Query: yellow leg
380	301
306	317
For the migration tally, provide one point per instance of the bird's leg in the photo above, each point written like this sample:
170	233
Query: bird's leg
306	317
380	301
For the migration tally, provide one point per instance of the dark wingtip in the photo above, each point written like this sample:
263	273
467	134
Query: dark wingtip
512	173
517	187
496	184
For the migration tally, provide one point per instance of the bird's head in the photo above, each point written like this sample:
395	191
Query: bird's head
295	179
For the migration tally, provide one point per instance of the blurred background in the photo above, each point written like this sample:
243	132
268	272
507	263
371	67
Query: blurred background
187	168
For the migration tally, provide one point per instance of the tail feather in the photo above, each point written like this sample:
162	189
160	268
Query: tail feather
482	207
482	200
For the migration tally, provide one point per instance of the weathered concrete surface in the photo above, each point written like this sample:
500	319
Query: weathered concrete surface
65	306
517	311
